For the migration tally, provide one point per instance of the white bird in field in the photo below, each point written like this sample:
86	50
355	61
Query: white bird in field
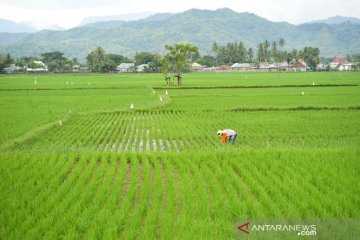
67	83
131	106
166	92
161	99
60	122
302	93
154	91
313	83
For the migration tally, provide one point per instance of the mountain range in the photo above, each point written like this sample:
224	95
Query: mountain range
13	27
199	27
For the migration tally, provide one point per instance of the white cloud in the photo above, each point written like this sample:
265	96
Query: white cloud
69	13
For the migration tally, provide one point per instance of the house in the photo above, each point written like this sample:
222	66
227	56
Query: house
224	67
195	67
321	67
126	67
37	66
12	69
142	68
241	66
283	66
340	64
76	68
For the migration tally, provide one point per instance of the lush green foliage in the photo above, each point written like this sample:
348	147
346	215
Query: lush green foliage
199	27
76	162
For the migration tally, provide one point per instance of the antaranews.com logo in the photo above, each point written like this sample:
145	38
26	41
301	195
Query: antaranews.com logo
299	229
311	228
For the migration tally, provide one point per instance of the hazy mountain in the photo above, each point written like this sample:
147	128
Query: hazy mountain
200	27
338	19
122	17
8	26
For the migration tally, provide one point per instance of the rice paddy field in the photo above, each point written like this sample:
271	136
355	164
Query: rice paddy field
77	163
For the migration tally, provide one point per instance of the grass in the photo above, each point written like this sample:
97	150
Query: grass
76	163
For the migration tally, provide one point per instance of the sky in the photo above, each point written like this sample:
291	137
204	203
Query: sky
69	13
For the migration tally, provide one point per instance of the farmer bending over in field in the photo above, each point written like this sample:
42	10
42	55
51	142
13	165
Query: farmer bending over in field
227	134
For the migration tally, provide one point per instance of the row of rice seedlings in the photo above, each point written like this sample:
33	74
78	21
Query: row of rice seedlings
57	173
118	134
87	195
93	215
320	205
255	206
229	204
169	203
126	196
209	216
109	132
85	130
68	194
205	198
258	183
278	185
100	136
140	204
21	181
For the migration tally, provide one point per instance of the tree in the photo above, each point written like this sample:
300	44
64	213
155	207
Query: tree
311	56
97	60
207	60
250	54
54	60
179	56
164	69
281	42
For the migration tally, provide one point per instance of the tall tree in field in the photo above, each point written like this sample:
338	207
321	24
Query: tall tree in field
179	56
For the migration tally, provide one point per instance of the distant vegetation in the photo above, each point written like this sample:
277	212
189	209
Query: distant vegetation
100	61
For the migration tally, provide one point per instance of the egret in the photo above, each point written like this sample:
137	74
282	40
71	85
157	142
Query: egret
131	106
302	93
153	91
161	99
313	83
166	92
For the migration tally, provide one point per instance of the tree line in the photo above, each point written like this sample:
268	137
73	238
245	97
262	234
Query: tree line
178	56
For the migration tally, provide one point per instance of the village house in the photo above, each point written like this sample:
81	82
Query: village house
40	67
340	64
321	67
125	67
12	69
283	66
142	68
196	67
241	66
